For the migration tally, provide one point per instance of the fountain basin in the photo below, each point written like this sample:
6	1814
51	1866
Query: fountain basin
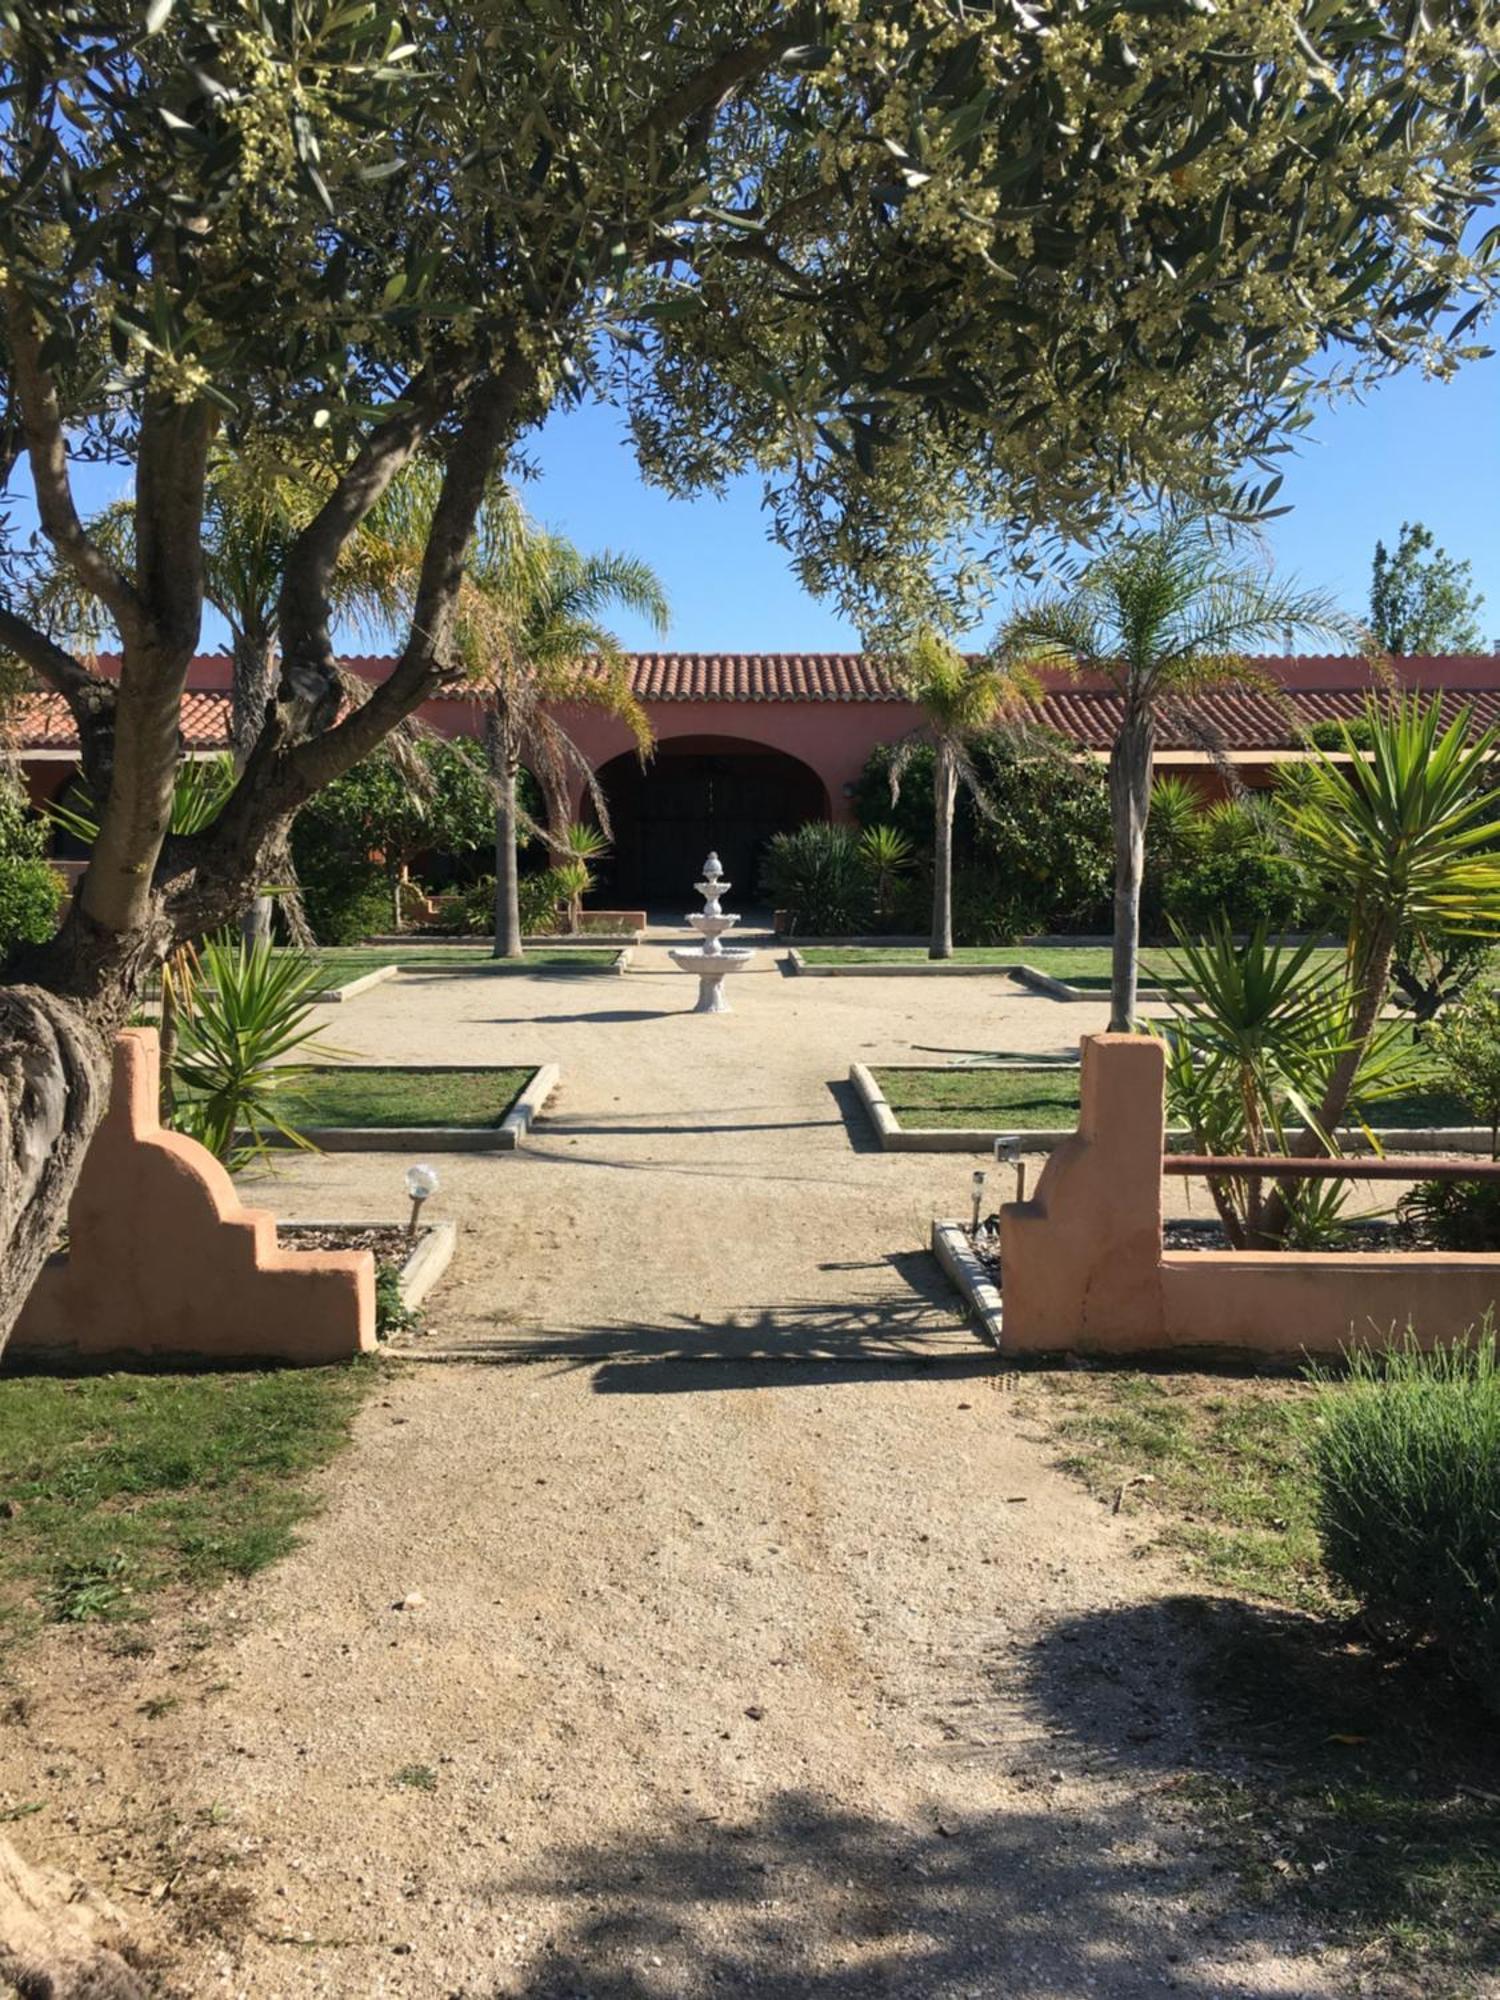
711	968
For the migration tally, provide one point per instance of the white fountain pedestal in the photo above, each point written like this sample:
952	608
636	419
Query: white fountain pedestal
712	961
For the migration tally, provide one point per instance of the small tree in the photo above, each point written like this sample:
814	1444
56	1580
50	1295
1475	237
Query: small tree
531	632
1165	613
1421	599
962	700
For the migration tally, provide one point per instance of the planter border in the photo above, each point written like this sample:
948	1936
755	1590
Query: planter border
934	969
421	1268
506	1137
331	996
969	1278
895	1137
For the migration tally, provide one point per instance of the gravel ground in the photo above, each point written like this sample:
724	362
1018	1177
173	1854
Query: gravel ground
697	1611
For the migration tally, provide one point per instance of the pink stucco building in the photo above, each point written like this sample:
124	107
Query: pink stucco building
750	743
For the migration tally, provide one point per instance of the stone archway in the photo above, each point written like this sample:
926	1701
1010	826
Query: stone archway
697	793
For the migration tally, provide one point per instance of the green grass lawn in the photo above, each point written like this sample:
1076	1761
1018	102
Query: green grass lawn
393	1097
1083	965
1358	1790
117	1486
1036	1100
344	963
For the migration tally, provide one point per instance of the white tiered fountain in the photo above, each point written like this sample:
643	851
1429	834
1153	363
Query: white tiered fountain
710	960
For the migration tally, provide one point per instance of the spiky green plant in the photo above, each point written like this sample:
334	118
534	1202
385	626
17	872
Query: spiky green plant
888	854
240	1025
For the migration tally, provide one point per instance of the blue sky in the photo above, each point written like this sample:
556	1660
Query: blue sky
1415	450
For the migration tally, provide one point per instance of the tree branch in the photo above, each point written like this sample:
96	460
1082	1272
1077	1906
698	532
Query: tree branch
307	658
701	95
47	453
90	697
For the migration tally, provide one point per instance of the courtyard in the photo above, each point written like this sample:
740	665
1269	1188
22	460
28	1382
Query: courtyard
701	1606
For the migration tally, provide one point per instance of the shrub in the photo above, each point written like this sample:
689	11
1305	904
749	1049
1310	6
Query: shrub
1246	885
1355	734
31	894
1464	1047
1041	858
1406	1458
345	900
30	891
1454	1215
820	878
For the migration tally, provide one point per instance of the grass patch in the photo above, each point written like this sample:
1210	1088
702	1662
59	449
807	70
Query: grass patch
1348	1785
1042	1100
383	1098
113	1487
1000	1099
354	961
1000	956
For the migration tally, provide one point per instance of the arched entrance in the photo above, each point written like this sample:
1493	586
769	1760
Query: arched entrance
697	793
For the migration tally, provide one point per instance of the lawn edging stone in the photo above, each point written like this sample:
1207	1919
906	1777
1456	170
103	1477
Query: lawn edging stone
506	1137
332	996
969	1278
895	1137
938	968
420	1270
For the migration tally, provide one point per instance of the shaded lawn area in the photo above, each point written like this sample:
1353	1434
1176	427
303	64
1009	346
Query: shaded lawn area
1360	1789
1084	966
118	1486
396	1097
352	962
1035	1100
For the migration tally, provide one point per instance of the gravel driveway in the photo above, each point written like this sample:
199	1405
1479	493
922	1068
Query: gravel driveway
749	1641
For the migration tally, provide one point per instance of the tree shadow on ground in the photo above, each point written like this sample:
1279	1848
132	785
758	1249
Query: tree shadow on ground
812	1899
852	1339
862	1135
1346	1785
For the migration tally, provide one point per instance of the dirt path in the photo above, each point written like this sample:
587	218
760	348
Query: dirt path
758	1647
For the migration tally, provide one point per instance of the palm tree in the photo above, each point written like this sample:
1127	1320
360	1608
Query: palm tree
257	503
1164	614
531	635
961	699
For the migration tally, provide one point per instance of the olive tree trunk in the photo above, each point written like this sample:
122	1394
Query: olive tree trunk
1129	806
252	690
944	796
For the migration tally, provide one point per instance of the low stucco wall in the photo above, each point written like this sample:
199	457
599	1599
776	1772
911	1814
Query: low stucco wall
1083	1265
164	1259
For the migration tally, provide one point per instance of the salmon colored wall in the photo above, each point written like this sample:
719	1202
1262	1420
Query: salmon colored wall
163	1258
1084	1268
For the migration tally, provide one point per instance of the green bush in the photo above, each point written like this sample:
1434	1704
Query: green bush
1454	1215
1406	1458
1248	885
1355	734
472	910
345	900
822	881
31	894
1039	859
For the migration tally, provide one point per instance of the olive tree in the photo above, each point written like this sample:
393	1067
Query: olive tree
924	263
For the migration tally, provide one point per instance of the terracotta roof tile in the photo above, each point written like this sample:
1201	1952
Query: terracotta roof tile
1310	688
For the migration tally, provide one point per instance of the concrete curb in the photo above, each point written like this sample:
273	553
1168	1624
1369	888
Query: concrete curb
422	1268
506	1137
969	1278
331	996
895	1137
528	1107
936	969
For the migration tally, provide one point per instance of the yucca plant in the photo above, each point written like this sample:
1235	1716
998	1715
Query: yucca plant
888	855
1257	1029
574	874
1404	839
246	1015
817	874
